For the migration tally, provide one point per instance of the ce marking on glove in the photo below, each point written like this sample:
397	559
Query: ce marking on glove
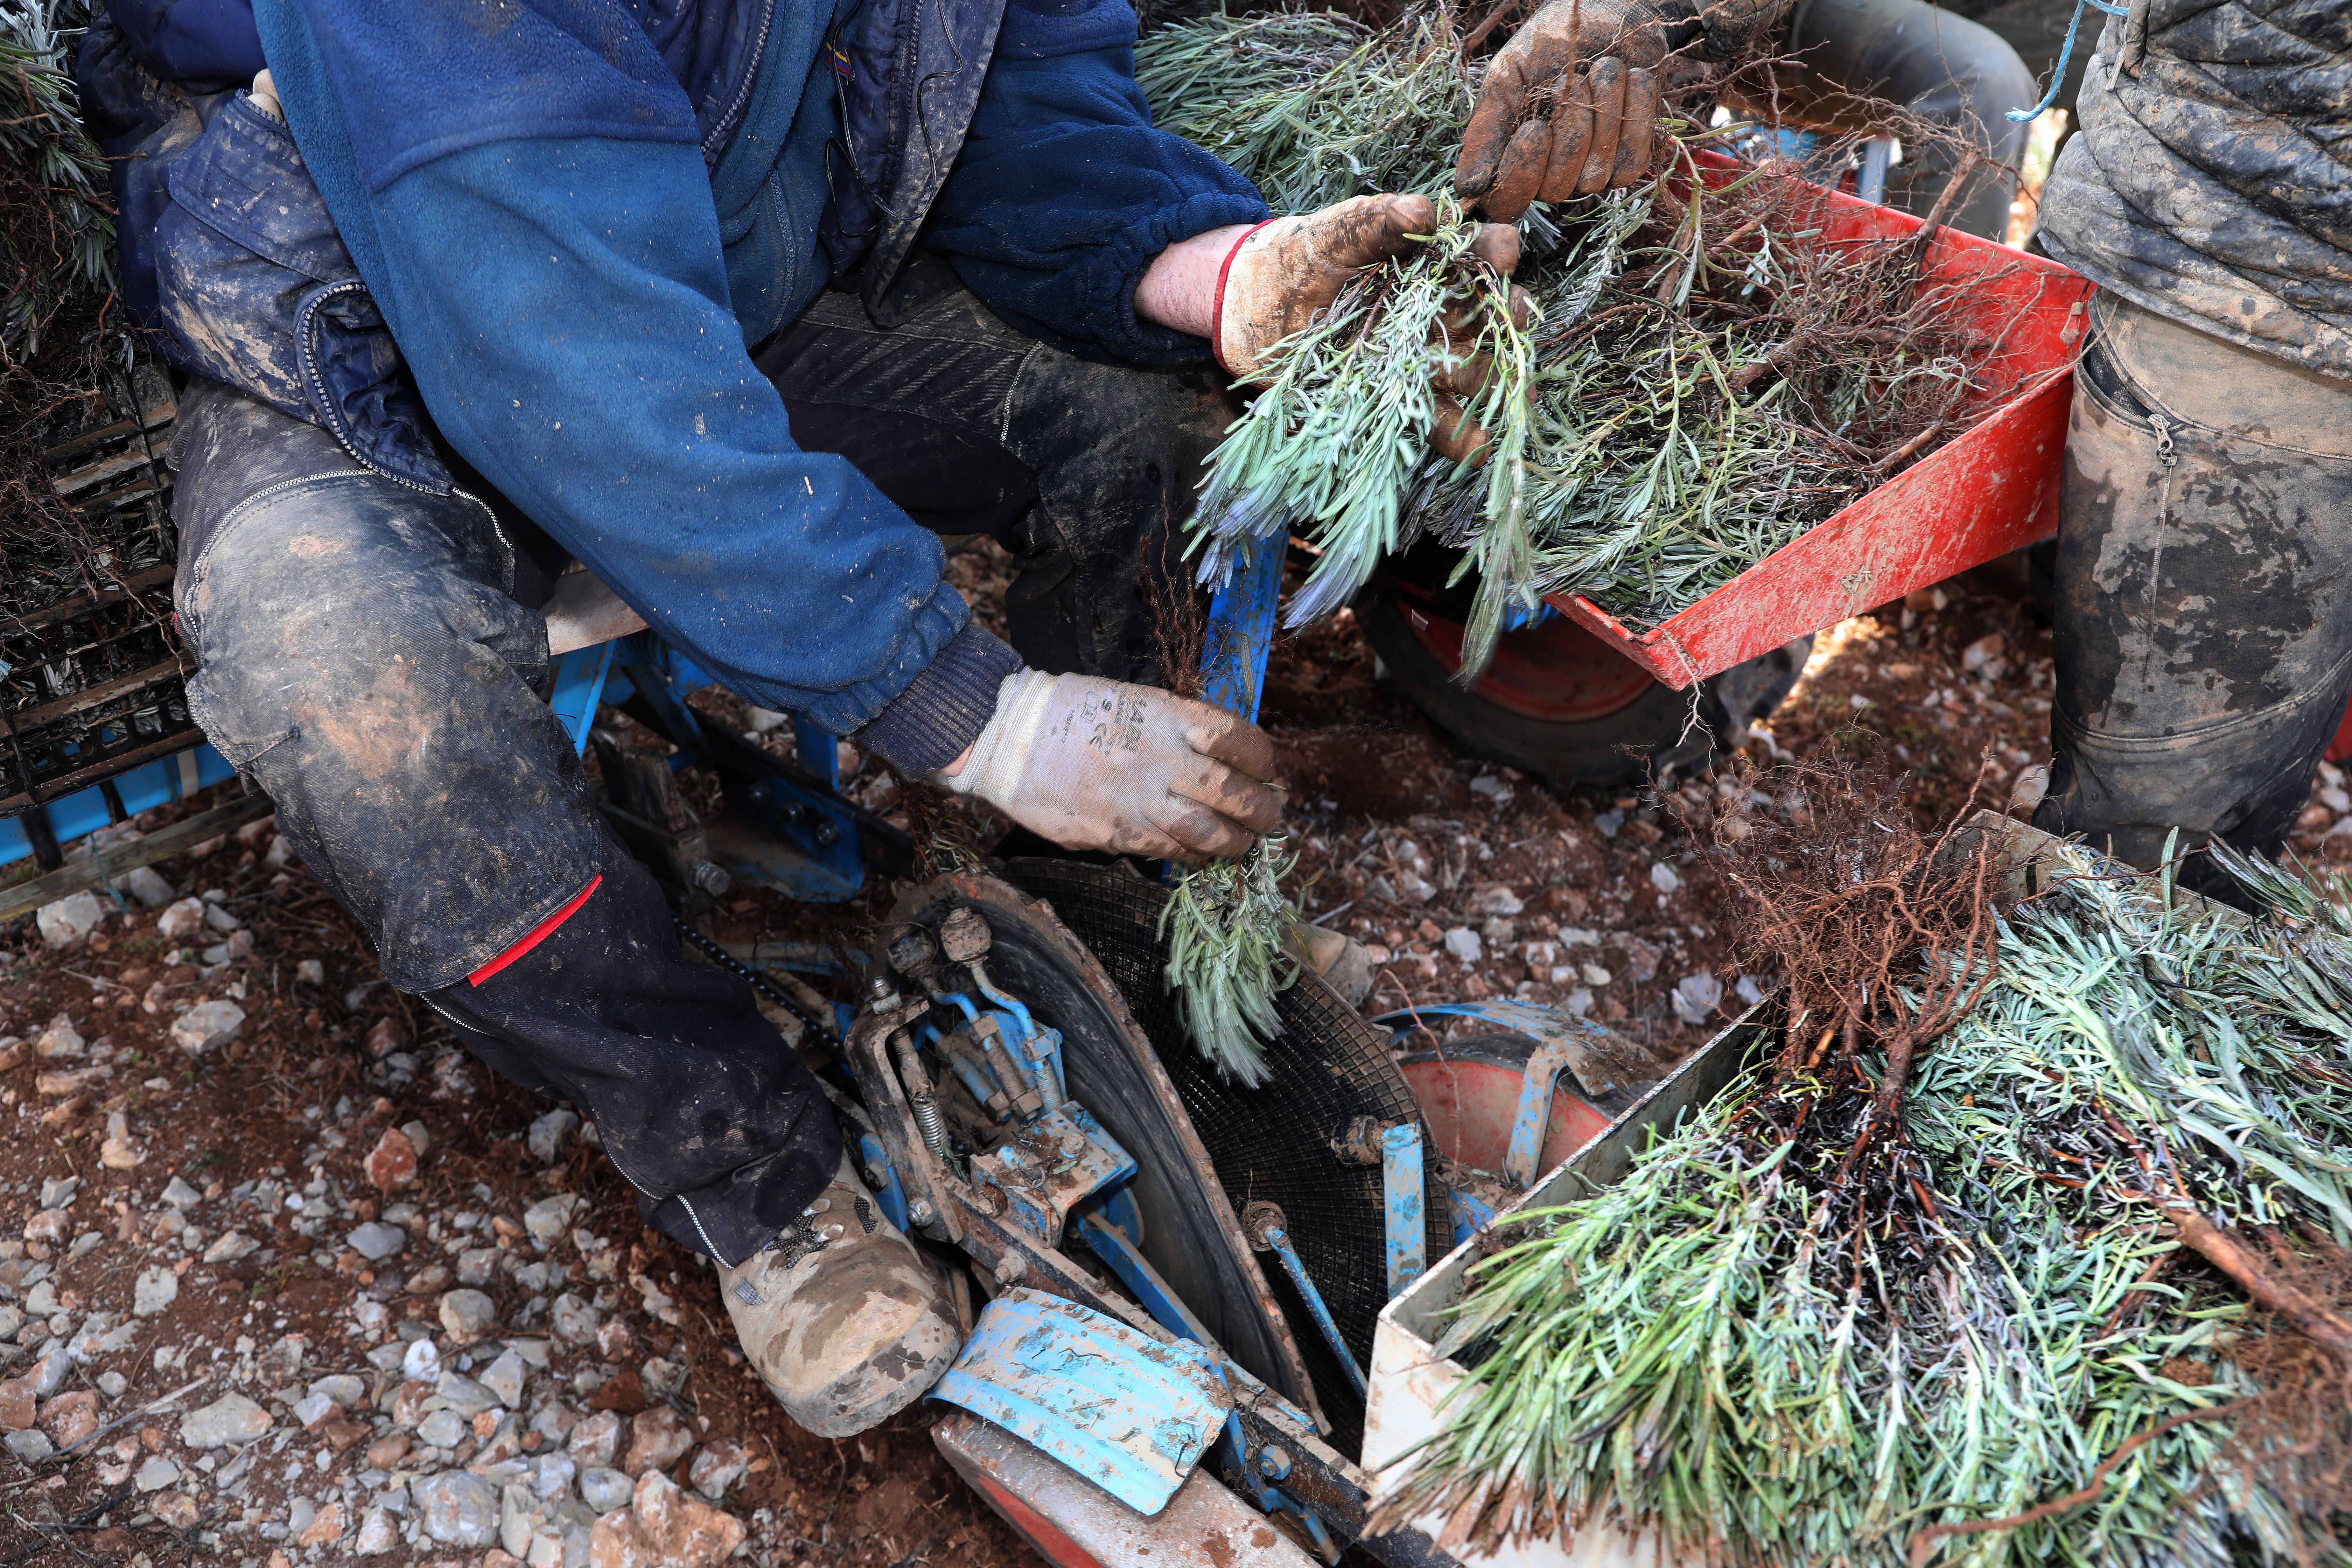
1120	728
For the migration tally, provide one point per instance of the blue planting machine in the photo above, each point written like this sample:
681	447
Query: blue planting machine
1170	1283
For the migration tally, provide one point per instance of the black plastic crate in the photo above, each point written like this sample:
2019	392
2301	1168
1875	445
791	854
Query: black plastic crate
91	670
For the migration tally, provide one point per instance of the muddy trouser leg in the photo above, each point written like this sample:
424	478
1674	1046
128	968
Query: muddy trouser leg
1943	68
1085	472
364	663
2204	635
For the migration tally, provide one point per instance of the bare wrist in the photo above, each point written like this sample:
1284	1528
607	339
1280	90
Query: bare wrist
1179	289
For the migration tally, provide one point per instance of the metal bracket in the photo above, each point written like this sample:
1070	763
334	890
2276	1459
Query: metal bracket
927	1184
1400	1190
1605	1062
1605	1066
1126	1259
1130	1413
883	1177
650	814
579	688
1533	1116
1057	1160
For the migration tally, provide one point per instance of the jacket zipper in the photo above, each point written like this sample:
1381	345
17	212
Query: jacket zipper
716	143
331	417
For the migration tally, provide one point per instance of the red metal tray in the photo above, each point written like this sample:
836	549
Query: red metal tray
1982	495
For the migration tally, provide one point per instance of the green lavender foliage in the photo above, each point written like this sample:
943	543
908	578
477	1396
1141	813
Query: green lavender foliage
1313	106
1692	1350
1330	447
56	243
1652	478
1631	464
1224	927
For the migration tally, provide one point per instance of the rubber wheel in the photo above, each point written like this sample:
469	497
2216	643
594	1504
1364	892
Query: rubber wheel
1557	702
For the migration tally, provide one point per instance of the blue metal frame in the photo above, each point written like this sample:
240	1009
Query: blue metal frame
816	858
1124	1257
1239	632
149	785
580	678
1472	1214
1402	1197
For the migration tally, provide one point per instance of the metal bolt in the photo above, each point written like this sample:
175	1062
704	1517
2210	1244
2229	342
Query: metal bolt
964	936
757	791
825	832
712	880
919	1211
1011	1268
880	994
1273	1462
1262	1223
911	952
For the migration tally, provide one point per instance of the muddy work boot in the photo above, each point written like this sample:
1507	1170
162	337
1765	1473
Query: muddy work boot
839	1314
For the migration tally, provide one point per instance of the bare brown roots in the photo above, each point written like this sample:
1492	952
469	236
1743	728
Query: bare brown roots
1882	935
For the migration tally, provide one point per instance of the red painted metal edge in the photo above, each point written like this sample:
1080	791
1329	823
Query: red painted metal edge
1073	1523
1991	490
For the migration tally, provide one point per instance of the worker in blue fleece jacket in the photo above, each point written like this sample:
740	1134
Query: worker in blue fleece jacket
740	303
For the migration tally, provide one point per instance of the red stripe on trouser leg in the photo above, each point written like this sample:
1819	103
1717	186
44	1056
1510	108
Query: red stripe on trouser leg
539	933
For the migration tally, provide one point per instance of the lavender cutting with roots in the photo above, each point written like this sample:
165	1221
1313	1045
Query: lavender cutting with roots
2074	1291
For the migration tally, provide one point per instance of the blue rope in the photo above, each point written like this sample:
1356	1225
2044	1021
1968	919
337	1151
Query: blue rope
2065	53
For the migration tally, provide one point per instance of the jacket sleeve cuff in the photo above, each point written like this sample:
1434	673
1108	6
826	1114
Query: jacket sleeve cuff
944	710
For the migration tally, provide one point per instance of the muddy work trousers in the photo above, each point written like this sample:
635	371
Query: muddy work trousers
2204	629
364	659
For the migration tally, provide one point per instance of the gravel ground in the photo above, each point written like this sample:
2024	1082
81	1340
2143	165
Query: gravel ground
287	1277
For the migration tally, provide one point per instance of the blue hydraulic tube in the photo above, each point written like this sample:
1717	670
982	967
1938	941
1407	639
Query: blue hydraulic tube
1012	1005
971	1012
1034	1047
957	999
1039	1049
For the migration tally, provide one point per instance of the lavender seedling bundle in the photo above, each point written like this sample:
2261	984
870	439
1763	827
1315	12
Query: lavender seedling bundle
2083	1303
1331	444
1709	377
1225	925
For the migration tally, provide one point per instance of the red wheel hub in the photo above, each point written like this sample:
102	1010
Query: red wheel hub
1557	671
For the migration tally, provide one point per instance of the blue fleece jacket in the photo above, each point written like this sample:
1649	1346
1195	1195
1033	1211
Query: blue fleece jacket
521	184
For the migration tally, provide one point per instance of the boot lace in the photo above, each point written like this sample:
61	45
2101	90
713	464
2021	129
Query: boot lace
809	1235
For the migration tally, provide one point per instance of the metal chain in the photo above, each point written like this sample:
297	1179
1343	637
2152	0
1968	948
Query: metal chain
776	994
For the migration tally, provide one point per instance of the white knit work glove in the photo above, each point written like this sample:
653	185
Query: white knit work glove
1102	764
1282	274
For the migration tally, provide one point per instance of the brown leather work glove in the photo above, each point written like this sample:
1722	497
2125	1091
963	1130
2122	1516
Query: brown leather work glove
1544	131
1282	273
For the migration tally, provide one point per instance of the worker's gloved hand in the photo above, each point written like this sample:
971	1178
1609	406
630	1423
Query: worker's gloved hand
1545	131
1101	765
1281	274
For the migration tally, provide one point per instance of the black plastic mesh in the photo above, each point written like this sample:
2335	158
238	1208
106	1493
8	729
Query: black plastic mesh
1270	1143
90	673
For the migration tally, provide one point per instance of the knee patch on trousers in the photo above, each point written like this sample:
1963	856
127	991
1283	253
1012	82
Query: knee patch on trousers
363	665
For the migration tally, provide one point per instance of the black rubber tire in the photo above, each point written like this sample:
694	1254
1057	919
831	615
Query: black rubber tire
1649	735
